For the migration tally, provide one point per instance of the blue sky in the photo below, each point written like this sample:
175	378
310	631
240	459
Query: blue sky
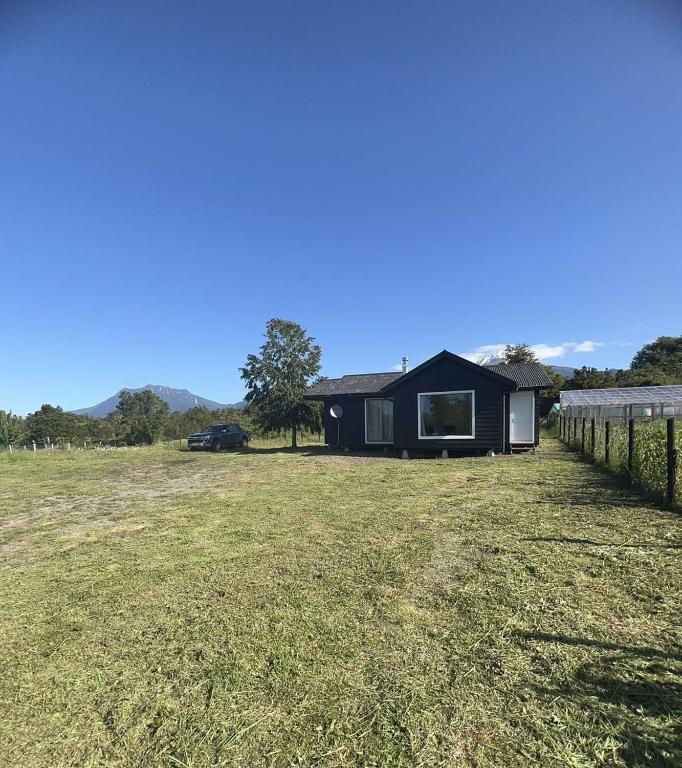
398	177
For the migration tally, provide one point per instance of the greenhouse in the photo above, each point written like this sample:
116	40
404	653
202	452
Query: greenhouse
622	403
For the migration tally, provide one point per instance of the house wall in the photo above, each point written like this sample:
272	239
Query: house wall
491	412
442	376
537	416
352	427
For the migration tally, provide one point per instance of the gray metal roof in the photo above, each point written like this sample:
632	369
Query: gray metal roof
354	384
671	393
529	375
524	374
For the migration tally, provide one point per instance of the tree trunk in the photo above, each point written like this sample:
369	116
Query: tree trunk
293	436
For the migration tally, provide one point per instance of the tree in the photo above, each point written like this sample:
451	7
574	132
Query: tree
647	376
11	428
143	416
590	378
518	353
51	423
550	396
665	354
288	364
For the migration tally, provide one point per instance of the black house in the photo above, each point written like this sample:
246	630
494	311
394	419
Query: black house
446	403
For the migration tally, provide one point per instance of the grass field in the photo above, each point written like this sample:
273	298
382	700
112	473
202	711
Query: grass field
276	608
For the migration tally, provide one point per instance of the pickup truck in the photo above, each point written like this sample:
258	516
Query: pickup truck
219	436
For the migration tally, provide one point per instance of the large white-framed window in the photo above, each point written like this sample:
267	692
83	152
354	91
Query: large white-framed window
378	420
446	415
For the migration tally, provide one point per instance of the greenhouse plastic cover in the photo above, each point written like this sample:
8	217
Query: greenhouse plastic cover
623	396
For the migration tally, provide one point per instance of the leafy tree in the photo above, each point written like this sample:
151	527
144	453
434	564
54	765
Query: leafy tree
518	353
648	376
56	425
180	425
143	416
590	378
12	429
289	362
664	354
550	396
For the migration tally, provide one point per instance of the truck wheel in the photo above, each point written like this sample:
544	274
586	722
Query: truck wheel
215	446
244	443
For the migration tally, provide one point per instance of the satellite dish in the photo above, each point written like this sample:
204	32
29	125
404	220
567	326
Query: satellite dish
336	411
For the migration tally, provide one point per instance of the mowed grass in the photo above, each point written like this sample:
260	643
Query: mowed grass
277	608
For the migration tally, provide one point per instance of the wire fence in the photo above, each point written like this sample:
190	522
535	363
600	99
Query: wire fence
79	445
647	453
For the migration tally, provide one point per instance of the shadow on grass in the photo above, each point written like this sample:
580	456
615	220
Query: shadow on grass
616	480
632	694
591	543
599	486
302	450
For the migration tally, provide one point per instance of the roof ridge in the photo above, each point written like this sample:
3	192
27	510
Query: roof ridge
505	365
376	373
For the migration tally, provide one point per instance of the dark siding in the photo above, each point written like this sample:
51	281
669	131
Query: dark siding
442	376
352	432
507	424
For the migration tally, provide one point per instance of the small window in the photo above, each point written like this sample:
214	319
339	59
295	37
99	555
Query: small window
232	428
378	421
446	415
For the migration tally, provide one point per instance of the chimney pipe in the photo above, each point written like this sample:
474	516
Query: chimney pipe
405	366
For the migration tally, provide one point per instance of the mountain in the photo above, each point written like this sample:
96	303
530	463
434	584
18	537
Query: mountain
563	370
178	400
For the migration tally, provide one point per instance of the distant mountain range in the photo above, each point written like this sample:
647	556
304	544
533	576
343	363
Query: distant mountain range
563	370
182	399
178	400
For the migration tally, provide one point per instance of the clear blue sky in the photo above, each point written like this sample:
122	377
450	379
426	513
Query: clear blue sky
398	177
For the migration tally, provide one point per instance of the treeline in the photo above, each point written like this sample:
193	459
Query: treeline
276	381
656	364
140	418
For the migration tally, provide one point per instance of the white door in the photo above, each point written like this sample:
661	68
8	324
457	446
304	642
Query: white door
522	417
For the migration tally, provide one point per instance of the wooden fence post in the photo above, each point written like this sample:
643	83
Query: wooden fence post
575	430
631	446
607	441
561	427
593	437
672	460
582	436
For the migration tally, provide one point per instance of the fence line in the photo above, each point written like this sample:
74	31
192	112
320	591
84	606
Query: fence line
79	445
648	454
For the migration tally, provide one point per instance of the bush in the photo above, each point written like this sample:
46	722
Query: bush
618	448
649	461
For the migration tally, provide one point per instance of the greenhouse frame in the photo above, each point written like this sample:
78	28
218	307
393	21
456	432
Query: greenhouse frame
623	403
